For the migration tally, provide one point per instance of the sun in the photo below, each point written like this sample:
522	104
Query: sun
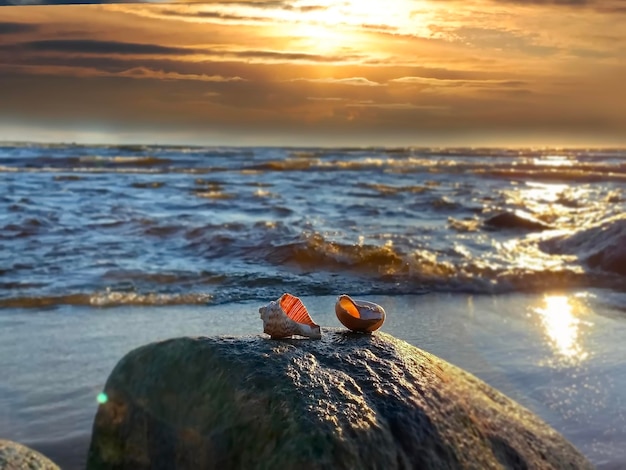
402	16
322	29
328	26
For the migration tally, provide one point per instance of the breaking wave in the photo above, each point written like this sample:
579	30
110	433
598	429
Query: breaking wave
601	247
417	270
107	299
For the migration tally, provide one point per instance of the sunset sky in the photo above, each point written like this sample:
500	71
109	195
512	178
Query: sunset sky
316	72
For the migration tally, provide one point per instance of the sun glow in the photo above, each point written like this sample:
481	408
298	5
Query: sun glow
322	38
330	26
394	14
321	27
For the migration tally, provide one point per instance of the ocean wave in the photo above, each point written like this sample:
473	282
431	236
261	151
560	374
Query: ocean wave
290	164
212	194
600	247
179	278
120	160
569	175
315	252
27	227
113	169
388	190
145	184
421	269
106	299
67	178
494	163
464	225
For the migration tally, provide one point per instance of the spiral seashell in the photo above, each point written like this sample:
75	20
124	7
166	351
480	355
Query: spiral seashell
288	316
359	315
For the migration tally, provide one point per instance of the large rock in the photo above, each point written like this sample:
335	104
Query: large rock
518	220
601	246
347	401
14	456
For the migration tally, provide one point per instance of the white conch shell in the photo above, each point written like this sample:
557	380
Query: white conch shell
359	315
288	316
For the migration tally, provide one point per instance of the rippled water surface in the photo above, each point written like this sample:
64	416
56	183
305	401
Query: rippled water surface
164	225
509	263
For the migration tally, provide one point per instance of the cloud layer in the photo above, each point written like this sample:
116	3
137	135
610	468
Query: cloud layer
320	72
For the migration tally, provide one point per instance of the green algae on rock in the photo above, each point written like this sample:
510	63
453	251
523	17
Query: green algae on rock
347	401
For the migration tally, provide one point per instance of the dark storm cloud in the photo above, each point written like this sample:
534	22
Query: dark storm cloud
270	4
285	5
104	64
89	46
292	56
95	47
246	86
209	15
307	8
230	67
217	15
68	2
16	28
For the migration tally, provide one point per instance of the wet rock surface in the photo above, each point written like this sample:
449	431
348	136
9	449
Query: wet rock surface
14	456
601	246
346	401
517	220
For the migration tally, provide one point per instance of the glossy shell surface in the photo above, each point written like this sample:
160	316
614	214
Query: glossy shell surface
359	315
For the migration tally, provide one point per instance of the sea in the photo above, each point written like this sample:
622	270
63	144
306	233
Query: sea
508	262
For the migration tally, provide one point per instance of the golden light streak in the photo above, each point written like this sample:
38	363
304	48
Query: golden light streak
542	192
553	161
562	327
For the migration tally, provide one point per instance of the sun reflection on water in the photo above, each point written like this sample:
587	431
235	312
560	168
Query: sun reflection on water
562	327
553	160
560	205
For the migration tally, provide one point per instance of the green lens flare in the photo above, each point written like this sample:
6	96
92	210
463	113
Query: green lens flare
102	398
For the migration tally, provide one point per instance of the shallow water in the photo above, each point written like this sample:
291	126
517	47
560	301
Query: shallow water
191	241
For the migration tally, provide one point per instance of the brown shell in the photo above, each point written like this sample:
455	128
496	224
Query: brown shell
358	315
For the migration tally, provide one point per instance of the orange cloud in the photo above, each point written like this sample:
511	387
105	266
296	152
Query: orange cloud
349	70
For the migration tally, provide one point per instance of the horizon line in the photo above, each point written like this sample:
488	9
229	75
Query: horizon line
364	147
